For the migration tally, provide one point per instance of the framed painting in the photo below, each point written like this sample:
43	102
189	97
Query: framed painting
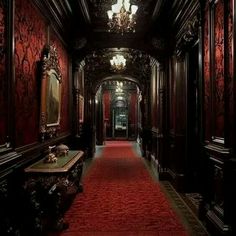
81	109
50	94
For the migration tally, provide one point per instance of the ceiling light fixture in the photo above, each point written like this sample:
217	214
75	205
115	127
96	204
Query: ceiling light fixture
118	63
122	17
119	87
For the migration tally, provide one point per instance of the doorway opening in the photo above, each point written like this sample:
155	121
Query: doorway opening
120	120
117	110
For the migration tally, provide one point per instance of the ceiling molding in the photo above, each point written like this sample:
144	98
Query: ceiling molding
157	9
85	11
187	16
57	13
119	78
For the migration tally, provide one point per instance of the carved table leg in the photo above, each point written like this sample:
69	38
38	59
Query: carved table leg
56	211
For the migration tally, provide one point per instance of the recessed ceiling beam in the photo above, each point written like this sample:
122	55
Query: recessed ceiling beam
156	11
85	11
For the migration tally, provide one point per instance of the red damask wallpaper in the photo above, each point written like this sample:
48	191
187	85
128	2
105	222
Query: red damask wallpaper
207	94
3	86
219	69
106	105
230	40
133	109
30	38
64	65
230	68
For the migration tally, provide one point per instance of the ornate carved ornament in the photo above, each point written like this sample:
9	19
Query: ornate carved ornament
3	190
99	8
50	93
97	64
50	61
189	37
158	43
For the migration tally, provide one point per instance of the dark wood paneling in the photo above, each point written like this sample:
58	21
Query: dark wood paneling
218	194
219	115
133	116
175	151
154	94
58	13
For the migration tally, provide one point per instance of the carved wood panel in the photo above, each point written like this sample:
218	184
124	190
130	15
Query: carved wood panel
154	94
172	94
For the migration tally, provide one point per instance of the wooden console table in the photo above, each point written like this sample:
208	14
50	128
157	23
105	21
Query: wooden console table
50	188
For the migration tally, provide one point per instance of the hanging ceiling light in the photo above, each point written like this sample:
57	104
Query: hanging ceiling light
122	17
119	87
118	62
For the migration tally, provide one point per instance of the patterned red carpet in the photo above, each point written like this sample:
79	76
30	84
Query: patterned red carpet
121	198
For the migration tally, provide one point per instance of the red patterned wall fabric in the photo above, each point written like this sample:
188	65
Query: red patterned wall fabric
230	40
207	85
3	79
230	68
133	109
106	106
64	65
219	69
30	38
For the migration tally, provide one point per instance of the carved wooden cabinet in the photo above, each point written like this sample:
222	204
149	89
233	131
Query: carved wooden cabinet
50	188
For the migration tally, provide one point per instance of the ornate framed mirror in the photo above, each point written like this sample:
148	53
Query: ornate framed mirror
50	94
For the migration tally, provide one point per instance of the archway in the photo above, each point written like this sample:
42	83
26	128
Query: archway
117	110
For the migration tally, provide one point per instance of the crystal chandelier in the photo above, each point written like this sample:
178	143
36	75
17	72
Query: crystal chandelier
119	87
122	17
118	62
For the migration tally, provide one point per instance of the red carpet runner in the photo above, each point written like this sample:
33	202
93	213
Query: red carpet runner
120	198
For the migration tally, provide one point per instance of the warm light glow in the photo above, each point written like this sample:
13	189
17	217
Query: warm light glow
110	14
122	17
118	87
134	9
118	62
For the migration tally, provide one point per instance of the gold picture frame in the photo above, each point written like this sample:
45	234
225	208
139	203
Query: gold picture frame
50	94
81	109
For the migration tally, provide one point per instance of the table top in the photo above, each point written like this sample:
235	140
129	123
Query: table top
63	164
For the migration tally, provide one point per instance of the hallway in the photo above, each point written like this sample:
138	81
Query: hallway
78	74
123	197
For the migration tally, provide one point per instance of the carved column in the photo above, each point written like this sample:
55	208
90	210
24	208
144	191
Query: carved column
99	118
162	121
76	92
146	134
78	99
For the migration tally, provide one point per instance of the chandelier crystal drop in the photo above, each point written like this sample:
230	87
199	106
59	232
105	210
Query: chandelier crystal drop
119	87
122	17
118	62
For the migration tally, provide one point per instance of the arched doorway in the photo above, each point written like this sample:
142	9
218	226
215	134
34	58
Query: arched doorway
120	118
117	110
